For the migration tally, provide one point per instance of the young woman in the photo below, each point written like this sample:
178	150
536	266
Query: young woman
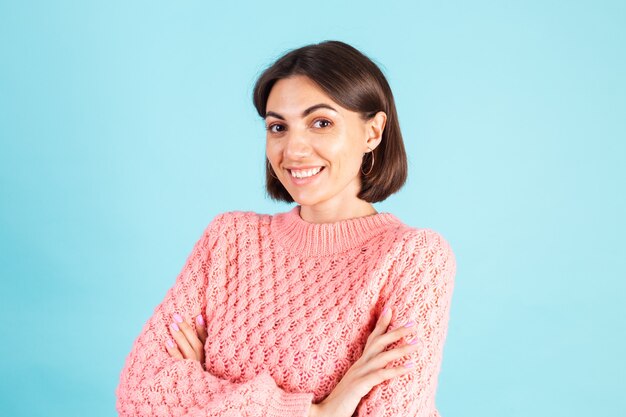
329	309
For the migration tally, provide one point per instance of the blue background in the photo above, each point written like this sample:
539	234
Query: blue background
126	126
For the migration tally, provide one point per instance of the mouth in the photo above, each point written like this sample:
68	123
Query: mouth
305	173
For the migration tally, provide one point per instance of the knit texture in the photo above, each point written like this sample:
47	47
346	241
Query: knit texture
289	306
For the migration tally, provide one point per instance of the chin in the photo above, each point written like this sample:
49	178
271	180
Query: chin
306	200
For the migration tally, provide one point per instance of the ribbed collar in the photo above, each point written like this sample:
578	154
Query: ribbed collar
302	237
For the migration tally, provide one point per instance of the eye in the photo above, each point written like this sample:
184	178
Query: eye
272	126
323	121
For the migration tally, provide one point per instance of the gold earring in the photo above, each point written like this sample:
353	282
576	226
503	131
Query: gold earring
371	152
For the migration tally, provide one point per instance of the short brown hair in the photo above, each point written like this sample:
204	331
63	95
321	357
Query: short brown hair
355	82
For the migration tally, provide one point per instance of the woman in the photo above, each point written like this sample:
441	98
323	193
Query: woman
329	309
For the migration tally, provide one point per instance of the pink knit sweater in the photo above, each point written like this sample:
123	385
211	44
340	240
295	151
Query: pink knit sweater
289	306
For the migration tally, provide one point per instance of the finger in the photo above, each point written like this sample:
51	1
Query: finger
176	328
396	334
192	338
386	358
380	343
172	349
201	329
381	375
382	323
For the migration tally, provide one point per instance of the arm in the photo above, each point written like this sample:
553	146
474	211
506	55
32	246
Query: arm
152	383
423	293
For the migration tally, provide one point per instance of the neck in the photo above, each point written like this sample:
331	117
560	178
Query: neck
305	238
331	212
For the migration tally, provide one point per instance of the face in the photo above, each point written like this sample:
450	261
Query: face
314	145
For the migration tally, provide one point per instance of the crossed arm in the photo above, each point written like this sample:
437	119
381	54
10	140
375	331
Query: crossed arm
160	380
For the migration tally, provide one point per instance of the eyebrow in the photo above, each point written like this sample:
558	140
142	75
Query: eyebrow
305	113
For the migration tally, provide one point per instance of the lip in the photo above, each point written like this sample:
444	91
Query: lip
307	180
303	167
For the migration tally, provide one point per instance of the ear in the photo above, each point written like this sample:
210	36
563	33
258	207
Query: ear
374	129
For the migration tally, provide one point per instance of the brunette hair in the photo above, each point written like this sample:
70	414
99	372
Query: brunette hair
355	82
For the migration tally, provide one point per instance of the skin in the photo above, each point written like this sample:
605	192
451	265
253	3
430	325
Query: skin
188	343
337	140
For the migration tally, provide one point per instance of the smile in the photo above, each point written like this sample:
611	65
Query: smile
305	173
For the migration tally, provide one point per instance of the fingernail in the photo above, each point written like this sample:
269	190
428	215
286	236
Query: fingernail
409	365
178	318
199	319
170	343
409	324
175	327
385	309
414	341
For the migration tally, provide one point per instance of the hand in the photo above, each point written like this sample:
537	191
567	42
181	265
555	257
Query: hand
368	371
188	345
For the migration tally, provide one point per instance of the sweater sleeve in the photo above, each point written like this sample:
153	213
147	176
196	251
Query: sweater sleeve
421	292
152	383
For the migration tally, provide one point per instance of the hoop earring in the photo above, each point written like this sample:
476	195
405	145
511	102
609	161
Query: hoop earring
371	152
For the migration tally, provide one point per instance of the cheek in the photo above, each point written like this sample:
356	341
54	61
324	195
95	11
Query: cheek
344	149
271	150
348	159
333	151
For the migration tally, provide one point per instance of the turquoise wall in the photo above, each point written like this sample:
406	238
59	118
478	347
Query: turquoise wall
125	126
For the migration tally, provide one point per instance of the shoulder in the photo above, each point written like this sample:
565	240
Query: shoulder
425	248
236	221
419	238
424	268
238	216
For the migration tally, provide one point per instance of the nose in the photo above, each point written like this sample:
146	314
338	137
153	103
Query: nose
297	146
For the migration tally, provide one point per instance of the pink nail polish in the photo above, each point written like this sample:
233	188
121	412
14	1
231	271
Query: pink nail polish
385	308
178	318
170	343
175	327
199	319
409	324
409	364
414	341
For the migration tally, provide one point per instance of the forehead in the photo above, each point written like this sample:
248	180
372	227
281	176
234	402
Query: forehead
289	96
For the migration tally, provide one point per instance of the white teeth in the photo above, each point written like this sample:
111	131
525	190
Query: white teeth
305	172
